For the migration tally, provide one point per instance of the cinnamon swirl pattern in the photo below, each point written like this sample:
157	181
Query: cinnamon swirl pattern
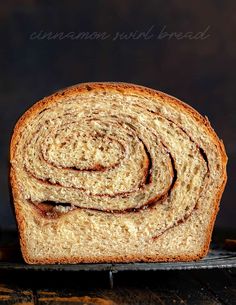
120	155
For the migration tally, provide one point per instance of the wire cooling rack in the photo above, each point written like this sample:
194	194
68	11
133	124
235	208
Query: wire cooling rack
216	258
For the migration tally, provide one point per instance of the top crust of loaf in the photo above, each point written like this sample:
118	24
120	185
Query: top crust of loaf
125	88
128	89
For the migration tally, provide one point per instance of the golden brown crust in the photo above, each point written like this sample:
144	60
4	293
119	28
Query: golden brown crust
108	259
125	88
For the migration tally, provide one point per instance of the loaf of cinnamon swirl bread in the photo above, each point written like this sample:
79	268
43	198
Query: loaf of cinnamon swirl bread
115	172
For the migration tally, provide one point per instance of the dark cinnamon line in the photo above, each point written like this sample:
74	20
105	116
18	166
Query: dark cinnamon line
97	167
181	128
149	205
122	194
175	175
180	221
204	155
187	216
57	184
43	209
201	150
147	180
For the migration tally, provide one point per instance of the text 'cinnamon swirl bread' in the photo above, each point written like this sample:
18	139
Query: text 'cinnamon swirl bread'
115	172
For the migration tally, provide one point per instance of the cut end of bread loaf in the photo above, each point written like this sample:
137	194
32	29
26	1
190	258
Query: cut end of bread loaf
115	172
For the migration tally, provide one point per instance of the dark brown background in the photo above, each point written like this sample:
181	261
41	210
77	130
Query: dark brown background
201	72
